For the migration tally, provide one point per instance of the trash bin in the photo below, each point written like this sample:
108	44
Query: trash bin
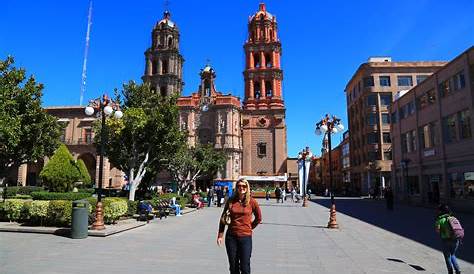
80	219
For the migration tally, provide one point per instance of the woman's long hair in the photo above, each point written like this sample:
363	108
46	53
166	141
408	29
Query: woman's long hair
235	196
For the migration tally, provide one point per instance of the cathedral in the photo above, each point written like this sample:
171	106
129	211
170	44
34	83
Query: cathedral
252	133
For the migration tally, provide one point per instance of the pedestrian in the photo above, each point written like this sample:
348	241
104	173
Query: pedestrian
238	239
220	196
267	194
293	194
283	195
210	196
389	198
309	193
277	194
450	244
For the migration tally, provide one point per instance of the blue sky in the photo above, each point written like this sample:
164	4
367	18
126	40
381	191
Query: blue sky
323	44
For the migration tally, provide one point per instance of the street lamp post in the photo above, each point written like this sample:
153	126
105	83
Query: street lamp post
103	107
330	125
304	163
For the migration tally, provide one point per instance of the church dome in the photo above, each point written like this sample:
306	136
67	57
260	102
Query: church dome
166	21
262	13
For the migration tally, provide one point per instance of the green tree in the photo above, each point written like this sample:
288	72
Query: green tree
61	171
27	132
147	135
84	175
190	164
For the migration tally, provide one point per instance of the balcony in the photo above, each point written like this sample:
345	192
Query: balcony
80	141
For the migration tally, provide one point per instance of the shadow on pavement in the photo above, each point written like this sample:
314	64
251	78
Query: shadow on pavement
313	226
415	223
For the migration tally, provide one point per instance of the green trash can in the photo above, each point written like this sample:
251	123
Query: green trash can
80	219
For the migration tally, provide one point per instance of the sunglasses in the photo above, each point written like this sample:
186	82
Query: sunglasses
242	186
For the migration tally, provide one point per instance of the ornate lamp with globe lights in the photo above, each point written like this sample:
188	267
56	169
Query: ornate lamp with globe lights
102	107
330	125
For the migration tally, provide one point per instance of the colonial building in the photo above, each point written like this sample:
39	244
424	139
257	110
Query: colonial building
432	137
263	114
369	95
78	137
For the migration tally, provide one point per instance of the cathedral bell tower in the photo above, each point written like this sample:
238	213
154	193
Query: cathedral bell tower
164	63
263	117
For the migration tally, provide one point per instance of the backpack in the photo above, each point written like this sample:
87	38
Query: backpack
456	228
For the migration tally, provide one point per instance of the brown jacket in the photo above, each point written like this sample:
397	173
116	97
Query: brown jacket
241	223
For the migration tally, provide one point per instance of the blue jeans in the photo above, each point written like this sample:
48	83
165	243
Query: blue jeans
239	251
449	251
177	208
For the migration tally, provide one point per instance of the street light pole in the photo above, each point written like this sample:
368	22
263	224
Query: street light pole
330	125
103	107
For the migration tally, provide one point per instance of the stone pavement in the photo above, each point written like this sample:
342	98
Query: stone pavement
291	239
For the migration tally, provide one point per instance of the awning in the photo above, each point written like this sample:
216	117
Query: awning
283	178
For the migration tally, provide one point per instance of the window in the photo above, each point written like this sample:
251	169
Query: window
386	138
372	100
411	108
405	143
459	81
257	89
394	117
372	138
256	59
386	100
262	149
421	78
465	124
413	140
373	155
372	119
368	81
268	89
449	128
385	118
387	155
164	67
405	81
445	88
384	81
428	138
87	136
426	99
268	60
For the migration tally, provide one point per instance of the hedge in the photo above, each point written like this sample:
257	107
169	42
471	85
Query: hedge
13	209
12	191
114	208
70	196
59	213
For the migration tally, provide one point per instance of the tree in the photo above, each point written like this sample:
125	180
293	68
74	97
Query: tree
190	164
27	132
84	175
147	135
60	172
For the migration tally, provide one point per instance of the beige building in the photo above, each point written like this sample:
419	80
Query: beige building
432	137
369	95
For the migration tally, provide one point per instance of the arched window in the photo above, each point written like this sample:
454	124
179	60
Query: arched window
256	60
170	42
257	90
268	60
154	67
164	67
163	91
268	89
207	88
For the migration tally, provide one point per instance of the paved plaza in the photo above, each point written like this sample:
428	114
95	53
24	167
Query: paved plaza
291	239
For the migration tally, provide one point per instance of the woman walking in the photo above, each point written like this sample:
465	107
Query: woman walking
237	214
450	244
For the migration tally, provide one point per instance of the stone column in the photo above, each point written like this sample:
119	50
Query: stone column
251	91
149	67
262	60
22	172
262	88
159	67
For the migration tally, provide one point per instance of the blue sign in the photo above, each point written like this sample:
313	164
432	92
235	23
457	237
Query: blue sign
227	184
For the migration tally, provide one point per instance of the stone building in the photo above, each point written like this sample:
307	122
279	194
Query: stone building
369	95
432	137
263	114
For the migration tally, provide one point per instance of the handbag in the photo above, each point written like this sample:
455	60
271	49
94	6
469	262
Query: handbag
225	217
